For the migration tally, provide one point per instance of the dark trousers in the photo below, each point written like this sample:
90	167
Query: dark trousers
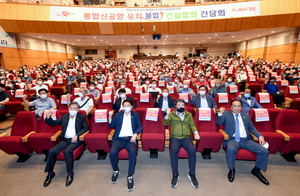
277	98
69	87
186	143
119	144
69	148
233	147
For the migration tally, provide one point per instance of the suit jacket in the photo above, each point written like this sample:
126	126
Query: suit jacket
159	102
81	125
117	123
247	107
228	120
117	105
197	101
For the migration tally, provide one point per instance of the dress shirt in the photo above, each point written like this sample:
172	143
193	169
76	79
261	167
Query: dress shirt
126	129
165	104
71	132
204	103
243	133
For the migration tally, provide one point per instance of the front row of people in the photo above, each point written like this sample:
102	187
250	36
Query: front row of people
127	126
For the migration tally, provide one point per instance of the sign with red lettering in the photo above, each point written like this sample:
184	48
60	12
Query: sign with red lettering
204	114
106	98
76	91
19	93
184	96
284	83
152	114
252	78
53	115
278	78
60	81
161	83
264	97
261	115
100	116
293	89
131	78
64	100
233	89
110	83
108	90
144	97
135	83
138	89
171	89
83	84
223	97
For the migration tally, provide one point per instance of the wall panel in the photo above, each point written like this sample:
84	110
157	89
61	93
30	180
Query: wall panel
203	26
175	27
218	25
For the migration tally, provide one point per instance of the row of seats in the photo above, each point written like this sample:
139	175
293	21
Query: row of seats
281	131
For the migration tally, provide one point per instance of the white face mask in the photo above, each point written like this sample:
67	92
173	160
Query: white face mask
43	96
40	82
122	96
165	94
70	74
185	86
229	80
176	81
147	82
80	94
202	92
122	86
127	109
153	85
92	88
201	80
72	112
18	80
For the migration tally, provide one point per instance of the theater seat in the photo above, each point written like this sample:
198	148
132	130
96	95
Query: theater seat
288	121
153	135
210	137
144	103
265	100
292	97
267	129
97	138
46	136
222	100
15	103
24	124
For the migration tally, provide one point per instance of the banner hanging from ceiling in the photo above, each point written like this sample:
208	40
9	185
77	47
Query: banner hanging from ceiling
7	39
153	14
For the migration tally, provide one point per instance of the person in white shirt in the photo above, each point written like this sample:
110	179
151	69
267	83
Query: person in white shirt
73	124
85	103
123	86
154	88
39	85
127	125
147	84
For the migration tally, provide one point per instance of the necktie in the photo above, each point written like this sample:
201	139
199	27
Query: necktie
237	128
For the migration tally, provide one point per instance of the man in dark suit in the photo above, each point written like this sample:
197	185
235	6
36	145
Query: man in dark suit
73	125
117	105
127	126
203	100
248	102
165	101
237	126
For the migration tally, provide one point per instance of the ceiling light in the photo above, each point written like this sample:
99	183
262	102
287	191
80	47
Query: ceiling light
199	42
94	37
258	35
216	34
165	39
64	42
101	40
238	40
180	43
208	37
110	44
128	44
142	36
73	44
186	38
107	42
247	38
272	31
92	44
166	36
232	36
218	41
203	40
53	39
122	40
78	40
40	36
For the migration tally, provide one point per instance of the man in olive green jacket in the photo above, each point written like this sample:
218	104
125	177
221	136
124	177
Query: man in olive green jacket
182	123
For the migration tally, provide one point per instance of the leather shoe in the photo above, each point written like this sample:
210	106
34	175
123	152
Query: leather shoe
260	176
69	180
48	179
231	174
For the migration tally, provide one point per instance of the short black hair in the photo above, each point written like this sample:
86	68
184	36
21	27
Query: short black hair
272	78
93	83
180	100
127	100
235	100
74	103
202	86
122	90
43	89
2	85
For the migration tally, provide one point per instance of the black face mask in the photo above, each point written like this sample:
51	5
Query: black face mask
272	81
180	110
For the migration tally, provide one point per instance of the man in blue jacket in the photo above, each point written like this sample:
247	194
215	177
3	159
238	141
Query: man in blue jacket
248	102
203	100
237	126
127	126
